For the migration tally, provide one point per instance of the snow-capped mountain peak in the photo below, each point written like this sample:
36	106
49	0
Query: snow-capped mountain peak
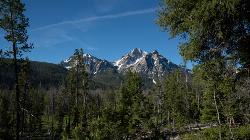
155	52
131	58
136	52
94	64
151	64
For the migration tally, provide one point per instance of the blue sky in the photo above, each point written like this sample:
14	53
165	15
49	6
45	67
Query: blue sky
107	29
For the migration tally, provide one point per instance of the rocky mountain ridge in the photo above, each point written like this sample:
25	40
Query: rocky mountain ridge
150	64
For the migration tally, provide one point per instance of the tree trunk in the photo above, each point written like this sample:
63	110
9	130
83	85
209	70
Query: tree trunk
218	114
14	49
24	107
168	117
229	125
17	95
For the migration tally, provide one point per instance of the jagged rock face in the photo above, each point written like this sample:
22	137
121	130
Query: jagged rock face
130	59
96	65
149	64
93	65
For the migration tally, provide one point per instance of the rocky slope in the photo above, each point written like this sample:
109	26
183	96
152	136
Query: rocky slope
149	64
94	64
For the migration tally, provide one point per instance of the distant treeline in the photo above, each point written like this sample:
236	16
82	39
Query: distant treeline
42	74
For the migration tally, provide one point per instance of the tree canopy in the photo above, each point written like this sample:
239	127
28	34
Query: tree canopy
210	28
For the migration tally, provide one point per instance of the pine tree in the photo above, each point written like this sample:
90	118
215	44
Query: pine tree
24	82
175	90
156	109
14	23
211	27
78	88
6	119
216	36
131	103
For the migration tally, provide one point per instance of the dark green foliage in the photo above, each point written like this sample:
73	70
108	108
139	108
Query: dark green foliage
175	98
242	132
106	126
180	102
106	80
47	74
112	80
212	28
43	75
125	116
14	25
33	110
131	112
77	99
211	102
6	118
7	78
216	37
36	111
131	103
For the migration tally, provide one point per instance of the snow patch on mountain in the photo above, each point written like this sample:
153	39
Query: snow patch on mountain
93	64
150	64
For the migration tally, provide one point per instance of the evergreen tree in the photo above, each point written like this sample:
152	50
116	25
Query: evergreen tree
211	28
78	89
175	100
24	82
14	23
131	106
156	109
216	37
6	118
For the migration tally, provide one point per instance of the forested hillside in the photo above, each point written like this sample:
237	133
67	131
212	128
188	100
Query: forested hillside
39	100
41	74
